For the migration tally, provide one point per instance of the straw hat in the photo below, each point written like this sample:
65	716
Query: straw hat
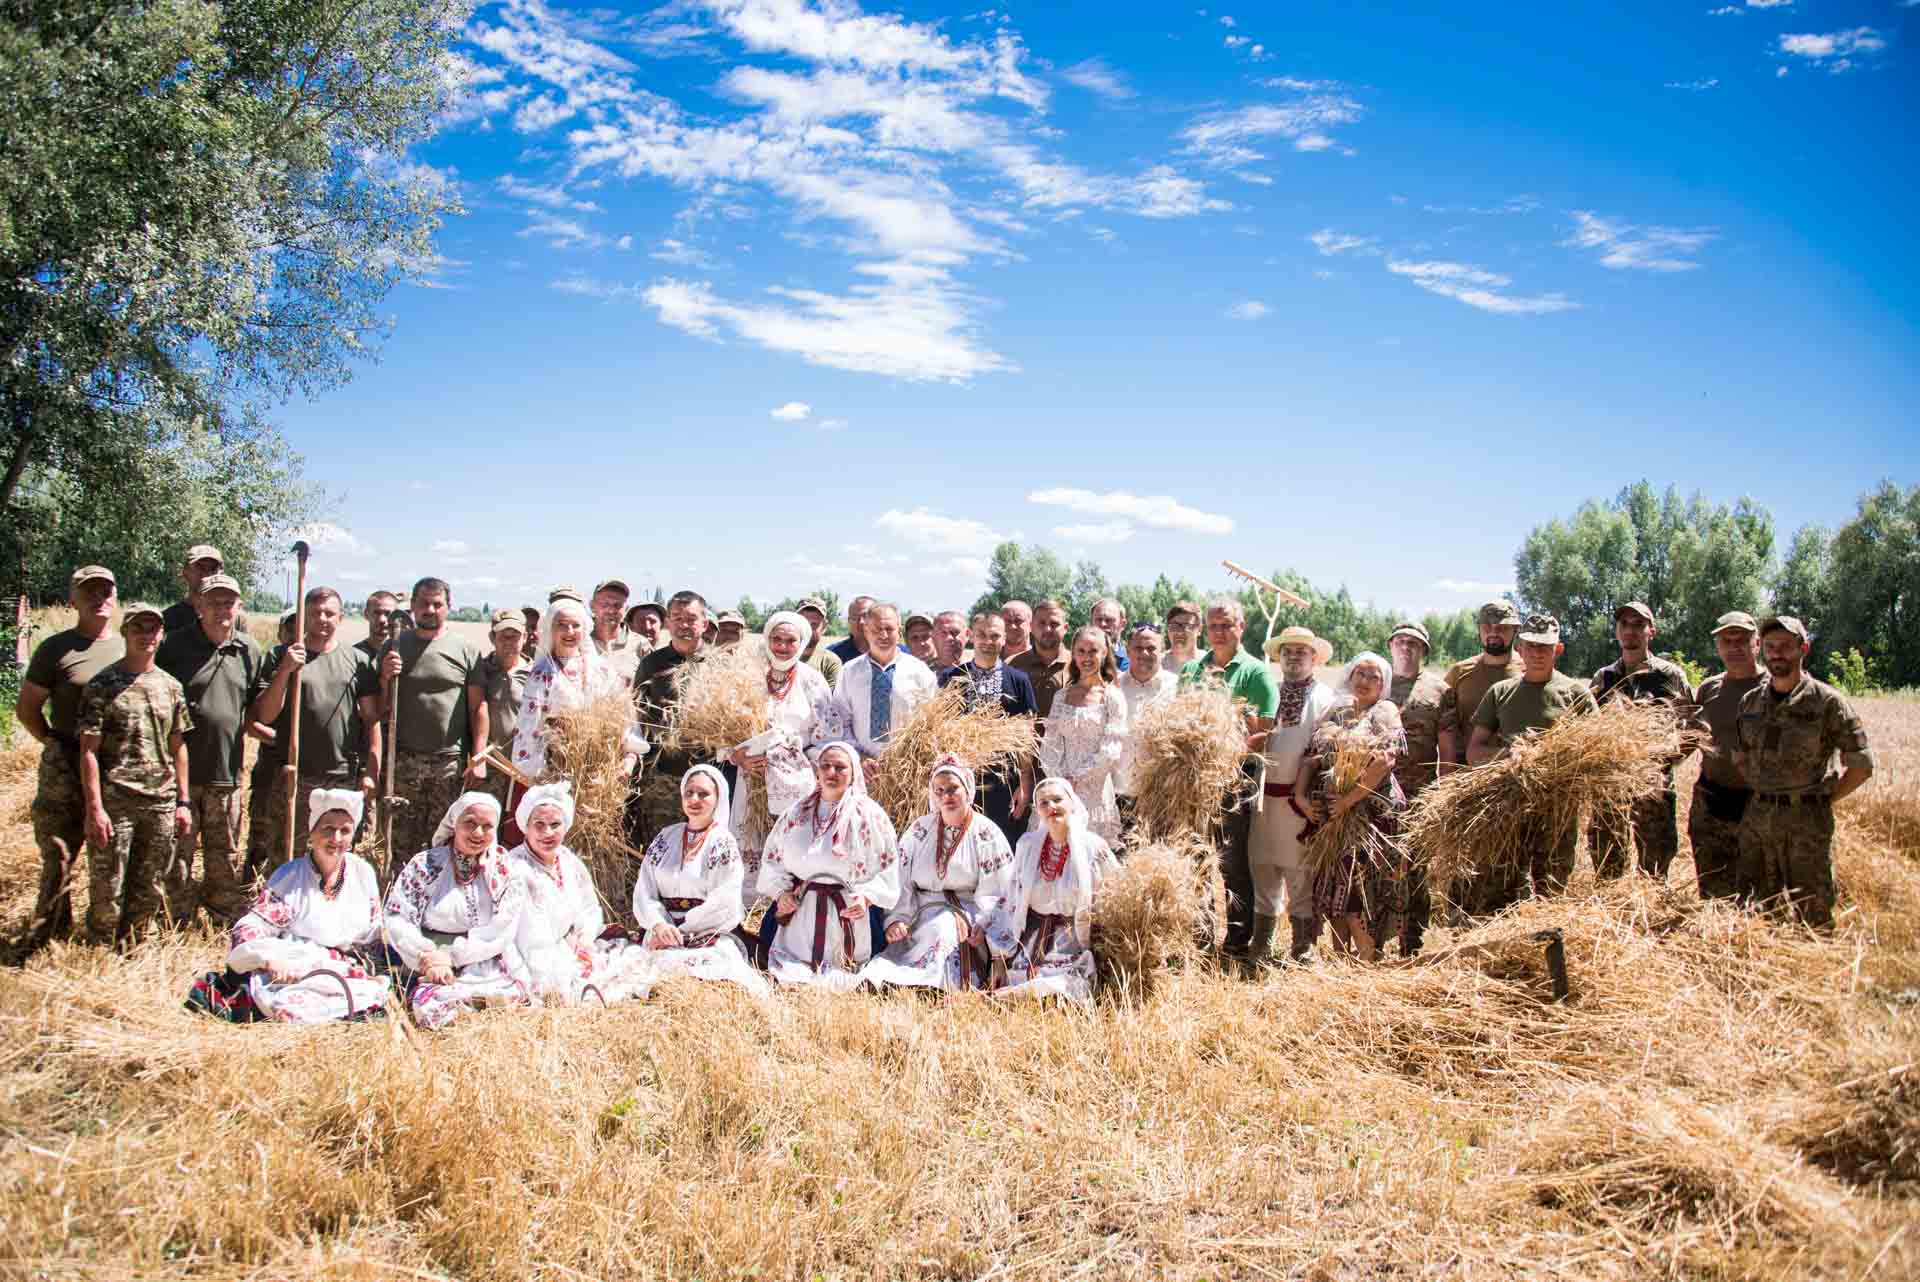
1322	648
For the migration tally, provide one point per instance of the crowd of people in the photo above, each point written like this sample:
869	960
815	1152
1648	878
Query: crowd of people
144	729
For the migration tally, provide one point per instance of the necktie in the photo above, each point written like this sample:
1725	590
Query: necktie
880	710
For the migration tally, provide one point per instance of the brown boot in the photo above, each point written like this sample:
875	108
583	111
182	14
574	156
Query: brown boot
1260	950
1306	932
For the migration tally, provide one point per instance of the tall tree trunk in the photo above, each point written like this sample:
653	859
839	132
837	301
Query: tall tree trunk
23	445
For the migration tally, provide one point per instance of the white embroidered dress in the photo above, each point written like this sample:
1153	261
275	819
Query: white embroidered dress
473	908
1042	929
554	687
935	903
698	892
296	925
1083	746
802	715
563	919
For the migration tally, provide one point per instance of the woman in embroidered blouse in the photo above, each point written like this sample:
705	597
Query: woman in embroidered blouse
568	675
954	863
801	713
830	858
1042	930
686	895
318	914
559	935
1084	735
1362	892
453	914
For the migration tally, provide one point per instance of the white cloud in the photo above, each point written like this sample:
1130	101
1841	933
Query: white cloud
1779	73
1330	242
1726	11
590	287
833	424
1096	77
680	254
927	529
561	233
482	581
1105	532
1252	309
1695	86
1624	246
537	115
326	536
792	412
418	487
1768	4
452	547
552	196
1158	510
1843	46
1477	287
909	324
1226	20
1472	587
1224	139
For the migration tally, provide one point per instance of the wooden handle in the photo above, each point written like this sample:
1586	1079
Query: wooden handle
1293	599
293	699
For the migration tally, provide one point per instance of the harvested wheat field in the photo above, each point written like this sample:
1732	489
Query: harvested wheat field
1722	1097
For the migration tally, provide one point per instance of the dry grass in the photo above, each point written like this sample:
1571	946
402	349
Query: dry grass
723	703
940	726
1147	915
1354	831
587	748
1585	772
1189	756
1722	1097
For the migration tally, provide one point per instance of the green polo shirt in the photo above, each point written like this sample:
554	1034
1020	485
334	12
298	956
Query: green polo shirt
1246	678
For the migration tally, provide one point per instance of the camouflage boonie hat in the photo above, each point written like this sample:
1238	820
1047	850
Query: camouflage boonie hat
1734	619
1541	629
1413	630
1783	623
139	609
219	583
914	618
1498	614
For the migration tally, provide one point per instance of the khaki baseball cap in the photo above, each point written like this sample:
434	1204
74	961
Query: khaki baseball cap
912	619
88	573
604	584
728	616
1413	630
137	610
1634	607
565	594
1541	629
204	552
221	582
1498	614
508	620
811	603
1735	619
1783	623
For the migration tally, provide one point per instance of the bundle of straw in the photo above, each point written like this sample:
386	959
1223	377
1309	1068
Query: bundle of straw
1353	832
982	738
1188	754
1592	769
1147	915
723	703
587	748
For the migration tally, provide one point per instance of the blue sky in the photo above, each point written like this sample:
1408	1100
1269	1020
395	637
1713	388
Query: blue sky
757	296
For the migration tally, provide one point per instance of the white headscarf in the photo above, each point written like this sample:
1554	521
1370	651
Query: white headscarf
803	812
723	799
949	765
321	801
565	605
1366	659
786	618
557	795
1079	838
443	835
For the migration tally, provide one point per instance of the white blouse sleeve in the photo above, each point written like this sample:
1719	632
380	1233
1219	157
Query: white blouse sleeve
721	910
878	882
648	911
588	919
775	880
496	935
996	867
1113	737
907	907
407	906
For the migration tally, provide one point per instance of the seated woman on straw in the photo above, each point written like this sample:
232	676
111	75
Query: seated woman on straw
1042	930
954	864
1346	785
559	935
453	915
831	857
1085	733
305	944
687	897
801	713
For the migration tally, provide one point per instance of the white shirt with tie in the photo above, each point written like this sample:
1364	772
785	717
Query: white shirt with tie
913	685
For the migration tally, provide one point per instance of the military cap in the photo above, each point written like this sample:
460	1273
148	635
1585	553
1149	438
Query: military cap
565	594
1734	619
508	619
221	582
1413	630
1498	614
1541	629
729	616
1783	623
914	618
205	552
811	603
604	584
137	610
88	573
1634	607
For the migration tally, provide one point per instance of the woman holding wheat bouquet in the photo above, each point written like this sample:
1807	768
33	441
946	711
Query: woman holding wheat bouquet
1346	785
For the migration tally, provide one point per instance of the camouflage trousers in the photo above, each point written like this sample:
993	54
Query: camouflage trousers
1656	839
429	784
1716	849
59	820
1786	859
123	879
223	891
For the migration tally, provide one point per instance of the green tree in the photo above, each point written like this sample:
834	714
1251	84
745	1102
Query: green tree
1454	636
1802	587
1032	575
1874	585
204	205
1150	605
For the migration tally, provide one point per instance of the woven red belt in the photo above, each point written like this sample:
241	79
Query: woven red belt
833	900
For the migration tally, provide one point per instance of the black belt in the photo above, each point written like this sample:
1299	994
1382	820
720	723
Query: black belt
1794	798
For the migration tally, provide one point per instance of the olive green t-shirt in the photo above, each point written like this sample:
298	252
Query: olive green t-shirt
1516	705
502	690
63	664
219	685
434	676
332	735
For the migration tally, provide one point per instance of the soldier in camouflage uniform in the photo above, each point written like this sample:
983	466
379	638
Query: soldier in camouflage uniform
133	770
49	711
1788	732
1418	695
1467	683
1642	676
1720	796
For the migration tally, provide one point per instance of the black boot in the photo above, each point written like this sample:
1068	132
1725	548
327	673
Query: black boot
1306	931
1260	951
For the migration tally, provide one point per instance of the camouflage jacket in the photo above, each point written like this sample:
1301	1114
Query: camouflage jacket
1787	743
136	716
1418	698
